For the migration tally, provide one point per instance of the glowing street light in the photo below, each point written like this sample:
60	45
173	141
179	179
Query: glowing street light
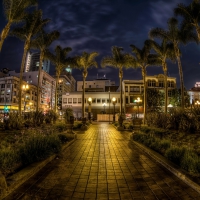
89	108
114	102
138	100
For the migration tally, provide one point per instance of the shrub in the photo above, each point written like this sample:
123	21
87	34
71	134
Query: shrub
39	147
175	154
60	126
9	160
63	138
77	125
190	162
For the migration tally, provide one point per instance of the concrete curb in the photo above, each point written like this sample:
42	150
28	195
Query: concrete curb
168	165
19	178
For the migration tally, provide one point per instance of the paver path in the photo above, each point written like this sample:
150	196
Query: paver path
103	164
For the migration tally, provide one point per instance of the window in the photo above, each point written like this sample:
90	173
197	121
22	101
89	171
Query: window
161	83
8	85
151	83
65	100
94	100
171	84
118	100
108	101
126	100
134	88
126	88
79	100
98	100
132	99
2	85
103	100
74	100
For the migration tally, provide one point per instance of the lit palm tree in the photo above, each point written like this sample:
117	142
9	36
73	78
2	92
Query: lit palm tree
119	60
84	62
176	36
143	59
164	52
60	60
42	42
33	24
14	11
190	14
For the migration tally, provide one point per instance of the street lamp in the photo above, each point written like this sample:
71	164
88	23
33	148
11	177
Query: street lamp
197	103
138	100
89	108
24	88
114	102
104	106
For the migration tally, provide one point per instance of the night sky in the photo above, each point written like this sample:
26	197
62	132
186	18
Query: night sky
97	25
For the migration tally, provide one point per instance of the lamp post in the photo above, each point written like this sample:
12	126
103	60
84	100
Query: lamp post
138	100
104	106
24	88
89	108
114	102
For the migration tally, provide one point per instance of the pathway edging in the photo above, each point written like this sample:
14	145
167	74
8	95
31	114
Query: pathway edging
167	164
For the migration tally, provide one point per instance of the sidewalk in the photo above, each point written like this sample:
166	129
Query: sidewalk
104	164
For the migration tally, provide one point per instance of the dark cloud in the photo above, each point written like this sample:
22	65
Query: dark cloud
95	25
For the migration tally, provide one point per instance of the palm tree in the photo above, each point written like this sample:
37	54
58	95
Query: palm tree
42	42
14	11
60	61
190	14
33	24
119	60
84	62
175	35
143	59
164	52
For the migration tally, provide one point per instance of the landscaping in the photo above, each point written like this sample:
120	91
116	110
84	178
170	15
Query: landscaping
175	135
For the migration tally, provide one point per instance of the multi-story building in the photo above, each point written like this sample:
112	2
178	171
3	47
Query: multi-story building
46	85
194	94
32	62
101	103
9	95
133	89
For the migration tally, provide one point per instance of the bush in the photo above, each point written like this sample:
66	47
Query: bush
77	125
39	147
60	126
9	160
63	138
190	162
175	154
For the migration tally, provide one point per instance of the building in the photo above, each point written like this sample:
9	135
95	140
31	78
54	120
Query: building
32	62
97	85
133	89
101	103
194	94
9	95
46	85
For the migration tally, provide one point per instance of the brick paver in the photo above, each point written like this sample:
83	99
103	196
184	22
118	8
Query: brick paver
104	164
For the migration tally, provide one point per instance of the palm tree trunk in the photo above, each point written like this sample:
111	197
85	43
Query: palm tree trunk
83	94
166	86
56	92
4	34
198	31
181	76
145	101
120	79
38	84
21	75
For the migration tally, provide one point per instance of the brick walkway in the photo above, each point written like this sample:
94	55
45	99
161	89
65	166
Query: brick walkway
103	164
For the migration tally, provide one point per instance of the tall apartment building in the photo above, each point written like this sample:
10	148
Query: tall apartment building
32	62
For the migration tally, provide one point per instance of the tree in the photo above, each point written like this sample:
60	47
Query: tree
14	11
60	61
33	24
176	36
42	42
84	62
164	51
119	60
190	14
143	59
155	99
